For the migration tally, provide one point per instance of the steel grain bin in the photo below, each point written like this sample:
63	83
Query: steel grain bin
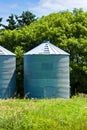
7	73
46	72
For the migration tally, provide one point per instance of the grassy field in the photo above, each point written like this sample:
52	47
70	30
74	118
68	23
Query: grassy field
47	114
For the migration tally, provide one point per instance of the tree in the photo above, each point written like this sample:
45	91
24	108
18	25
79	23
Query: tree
0	21
16	22
19	71
1	29
11	23
65	29
25	19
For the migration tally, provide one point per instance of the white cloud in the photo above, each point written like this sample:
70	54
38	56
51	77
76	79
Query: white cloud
50	4
45	7
63	3
40	7
75	3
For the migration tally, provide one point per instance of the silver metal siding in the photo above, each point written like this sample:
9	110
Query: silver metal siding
7	76
46	76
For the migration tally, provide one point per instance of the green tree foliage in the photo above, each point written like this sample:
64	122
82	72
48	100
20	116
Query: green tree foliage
11	23
19	71
65	29
1	30
25	19
16	22
0	21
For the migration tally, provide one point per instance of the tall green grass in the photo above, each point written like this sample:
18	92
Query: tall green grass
46	114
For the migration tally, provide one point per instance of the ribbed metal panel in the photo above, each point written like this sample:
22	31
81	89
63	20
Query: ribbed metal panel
7	75
46	76
46	48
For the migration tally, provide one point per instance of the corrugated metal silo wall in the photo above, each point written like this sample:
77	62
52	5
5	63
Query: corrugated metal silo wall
46	76
7	76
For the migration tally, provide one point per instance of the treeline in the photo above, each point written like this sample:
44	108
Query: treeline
65	29
16	22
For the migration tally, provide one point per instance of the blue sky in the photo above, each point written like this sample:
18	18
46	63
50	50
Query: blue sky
38	7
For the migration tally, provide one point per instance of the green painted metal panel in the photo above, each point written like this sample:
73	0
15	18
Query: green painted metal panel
7	76
46	76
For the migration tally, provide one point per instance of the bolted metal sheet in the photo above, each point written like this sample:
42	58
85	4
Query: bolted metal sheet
7	75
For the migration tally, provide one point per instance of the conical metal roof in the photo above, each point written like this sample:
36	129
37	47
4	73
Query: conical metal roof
46	48
4	51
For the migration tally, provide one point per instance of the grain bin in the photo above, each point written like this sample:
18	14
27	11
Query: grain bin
7	73
46	72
